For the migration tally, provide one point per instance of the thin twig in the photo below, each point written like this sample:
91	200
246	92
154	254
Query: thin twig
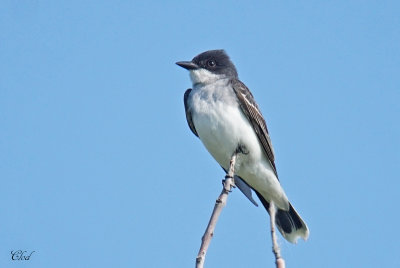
279	261
228	184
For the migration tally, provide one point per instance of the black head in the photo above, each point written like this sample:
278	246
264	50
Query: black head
215	61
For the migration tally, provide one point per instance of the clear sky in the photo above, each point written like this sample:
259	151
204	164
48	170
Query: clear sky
99	169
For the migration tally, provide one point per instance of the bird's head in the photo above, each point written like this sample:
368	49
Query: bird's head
209	66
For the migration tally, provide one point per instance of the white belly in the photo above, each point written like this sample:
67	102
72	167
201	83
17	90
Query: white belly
222	126
221	129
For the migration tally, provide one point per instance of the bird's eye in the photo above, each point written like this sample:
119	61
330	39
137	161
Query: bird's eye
211	63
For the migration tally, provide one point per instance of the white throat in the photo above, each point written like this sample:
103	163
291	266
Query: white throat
203	76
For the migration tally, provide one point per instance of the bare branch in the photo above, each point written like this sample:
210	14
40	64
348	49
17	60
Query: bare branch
228	184
279	261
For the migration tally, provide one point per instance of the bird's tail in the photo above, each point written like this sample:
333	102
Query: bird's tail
289	222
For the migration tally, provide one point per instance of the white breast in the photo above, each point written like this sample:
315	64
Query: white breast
222	126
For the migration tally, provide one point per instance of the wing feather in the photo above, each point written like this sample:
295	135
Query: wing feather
256	119
188	112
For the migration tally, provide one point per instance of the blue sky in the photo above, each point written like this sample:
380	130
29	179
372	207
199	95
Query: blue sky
99	169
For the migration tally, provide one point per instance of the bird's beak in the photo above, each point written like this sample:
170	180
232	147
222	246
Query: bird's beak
188	65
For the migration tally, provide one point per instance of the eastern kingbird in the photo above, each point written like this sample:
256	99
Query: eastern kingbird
222	112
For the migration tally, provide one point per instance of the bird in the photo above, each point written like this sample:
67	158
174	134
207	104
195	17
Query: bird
222	112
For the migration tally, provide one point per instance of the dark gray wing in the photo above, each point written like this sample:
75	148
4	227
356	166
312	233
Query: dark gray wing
252	112
188	112
244	188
